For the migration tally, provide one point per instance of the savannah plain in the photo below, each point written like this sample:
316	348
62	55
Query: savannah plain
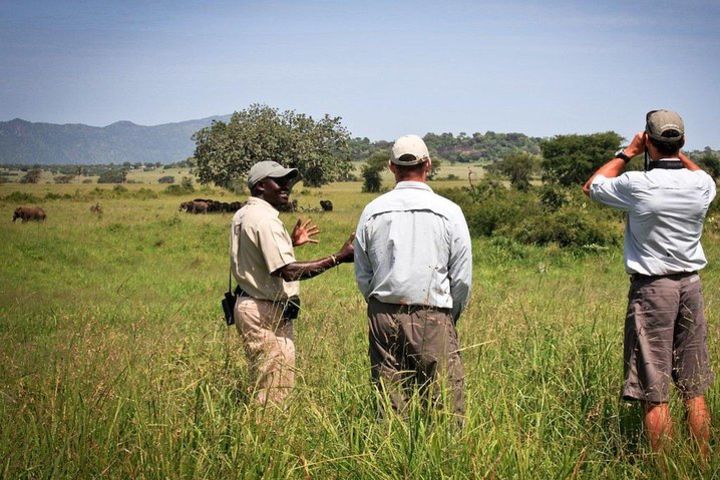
115	361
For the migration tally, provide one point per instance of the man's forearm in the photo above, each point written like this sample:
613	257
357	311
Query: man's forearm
611	169
302	270
687	163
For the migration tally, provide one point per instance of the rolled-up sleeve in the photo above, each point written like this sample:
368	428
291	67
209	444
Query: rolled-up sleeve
460	265
613	192
276	244
363	269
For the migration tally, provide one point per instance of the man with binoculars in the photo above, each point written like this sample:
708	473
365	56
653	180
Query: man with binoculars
665	327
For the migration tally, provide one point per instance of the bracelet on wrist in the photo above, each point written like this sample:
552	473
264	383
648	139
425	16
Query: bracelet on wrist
334	260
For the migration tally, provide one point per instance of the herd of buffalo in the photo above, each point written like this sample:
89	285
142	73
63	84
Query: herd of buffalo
199	205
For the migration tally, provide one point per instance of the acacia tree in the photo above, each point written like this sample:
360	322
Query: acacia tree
518	167
571	159
224	152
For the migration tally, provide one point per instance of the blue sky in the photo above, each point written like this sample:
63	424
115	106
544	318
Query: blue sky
387	68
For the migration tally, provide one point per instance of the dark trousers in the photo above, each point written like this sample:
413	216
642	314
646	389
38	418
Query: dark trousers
411	348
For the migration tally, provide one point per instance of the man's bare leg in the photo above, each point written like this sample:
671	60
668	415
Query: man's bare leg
698	419
658	424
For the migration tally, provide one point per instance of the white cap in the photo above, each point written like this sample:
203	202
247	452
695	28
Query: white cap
409	145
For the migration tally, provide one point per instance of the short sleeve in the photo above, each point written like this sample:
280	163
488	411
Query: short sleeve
614	192
275	244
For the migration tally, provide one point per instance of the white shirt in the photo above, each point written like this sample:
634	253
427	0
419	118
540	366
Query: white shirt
412	247
665	213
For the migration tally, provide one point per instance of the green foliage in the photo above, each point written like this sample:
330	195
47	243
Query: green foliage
32	176
571	159
21	197
518	167
551	215
488	147
185	187
116	175
370	171
64	178
710	162
318	149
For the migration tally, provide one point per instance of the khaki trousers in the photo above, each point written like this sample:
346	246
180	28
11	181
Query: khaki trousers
268	343
411	348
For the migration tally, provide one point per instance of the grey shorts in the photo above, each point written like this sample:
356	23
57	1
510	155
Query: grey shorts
665	338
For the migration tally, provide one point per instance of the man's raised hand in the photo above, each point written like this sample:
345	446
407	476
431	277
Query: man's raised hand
304	232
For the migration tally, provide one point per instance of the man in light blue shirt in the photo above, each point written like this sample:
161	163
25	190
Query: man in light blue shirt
413	265
665	327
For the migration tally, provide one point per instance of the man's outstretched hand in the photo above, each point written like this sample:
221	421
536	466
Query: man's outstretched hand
304	232
347	251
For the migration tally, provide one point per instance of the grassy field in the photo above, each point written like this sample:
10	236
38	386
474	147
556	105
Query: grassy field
115	361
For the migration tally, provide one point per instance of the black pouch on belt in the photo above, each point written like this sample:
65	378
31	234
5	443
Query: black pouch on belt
292	308
228	306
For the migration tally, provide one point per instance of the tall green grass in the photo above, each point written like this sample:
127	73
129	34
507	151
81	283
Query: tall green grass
115	362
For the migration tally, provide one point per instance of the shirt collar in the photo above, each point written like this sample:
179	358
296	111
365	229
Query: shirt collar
414	185
261	203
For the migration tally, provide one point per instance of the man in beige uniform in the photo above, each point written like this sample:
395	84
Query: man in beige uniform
267	274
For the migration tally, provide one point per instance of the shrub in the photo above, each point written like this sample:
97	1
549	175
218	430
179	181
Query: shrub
113	176
64	178
166	179
32	176
21	197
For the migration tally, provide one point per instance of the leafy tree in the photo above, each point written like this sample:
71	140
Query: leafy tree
518	167
113	176
32	176
710	162
225	152
372	182
571	159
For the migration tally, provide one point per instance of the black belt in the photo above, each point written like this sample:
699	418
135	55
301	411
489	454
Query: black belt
290	307
673	276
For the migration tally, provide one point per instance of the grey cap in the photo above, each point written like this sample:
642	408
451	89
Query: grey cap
664	125
268	168
409	145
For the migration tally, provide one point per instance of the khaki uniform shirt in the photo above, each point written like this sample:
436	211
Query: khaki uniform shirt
260	245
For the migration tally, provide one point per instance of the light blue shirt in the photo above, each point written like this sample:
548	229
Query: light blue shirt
412	247
665	213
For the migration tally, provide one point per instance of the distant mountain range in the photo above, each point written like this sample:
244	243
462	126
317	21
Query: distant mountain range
23	142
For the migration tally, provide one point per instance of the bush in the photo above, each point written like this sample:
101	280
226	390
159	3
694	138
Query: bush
166	179
64	178
21	197
113	176
539	216
33	176
567	228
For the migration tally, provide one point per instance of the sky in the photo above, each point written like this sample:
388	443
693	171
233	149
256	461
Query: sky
542	68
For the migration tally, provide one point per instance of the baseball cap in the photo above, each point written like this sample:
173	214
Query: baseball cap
268	168
664	125
409	145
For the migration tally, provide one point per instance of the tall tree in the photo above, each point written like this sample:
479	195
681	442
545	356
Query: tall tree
518	167
571	159
224	152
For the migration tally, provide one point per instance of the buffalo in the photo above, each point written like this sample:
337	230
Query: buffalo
326	205
29	213
194	207
211	206
96	209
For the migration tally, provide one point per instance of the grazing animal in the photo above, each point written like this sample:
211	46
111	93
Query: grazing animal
29	213
96	209
194	207
326	205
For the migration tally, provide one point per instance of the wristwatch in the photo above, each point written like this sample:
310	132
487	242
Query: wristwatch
621	154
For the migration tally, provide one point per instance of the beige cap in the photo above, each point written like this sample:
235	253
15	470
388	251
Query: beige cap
664	125
268	168
409	145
